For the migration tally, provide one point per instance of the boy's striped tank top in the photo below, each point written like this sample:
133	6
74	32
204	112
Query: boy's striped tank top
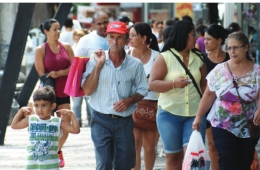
43	143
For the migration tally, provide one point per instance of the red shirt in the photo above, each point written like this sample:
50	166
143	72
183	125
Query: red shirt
56	62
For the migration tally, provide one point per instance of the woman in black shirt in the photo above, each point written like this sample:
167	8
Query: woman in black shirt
214	38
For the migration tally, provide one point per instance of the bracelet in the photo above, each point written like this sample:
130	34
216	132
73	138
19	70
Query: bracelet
173	84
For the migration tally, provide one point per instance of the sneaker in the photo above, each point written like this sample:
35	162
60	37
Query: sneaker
62	162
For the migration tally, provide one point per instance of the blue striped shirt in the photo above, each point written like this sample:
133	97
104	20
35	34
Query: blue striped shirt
115	84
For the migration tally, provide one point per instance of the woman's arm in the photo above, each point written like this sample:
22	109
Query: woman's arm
206	102
158	73
203	81
38	60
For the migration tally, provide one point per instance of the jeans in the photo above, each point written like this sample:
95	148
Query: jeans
176	130
234	152
114	143
77	102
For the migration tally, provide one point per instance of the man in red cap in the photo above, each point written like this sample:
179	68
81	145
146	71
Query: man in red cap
114	82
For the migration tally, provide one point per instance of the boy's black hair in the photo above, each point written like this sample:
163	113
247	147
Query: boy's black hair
45	93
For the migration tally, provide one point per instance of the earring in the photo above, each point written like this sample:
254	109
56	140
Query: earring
143	42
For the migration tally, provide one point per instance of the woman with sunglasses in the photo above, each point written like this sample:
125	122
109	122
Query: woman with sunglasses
234	94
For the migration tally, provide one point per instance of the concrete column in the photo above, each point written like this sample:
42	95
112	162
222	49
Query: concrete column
7	19
145	12
229	14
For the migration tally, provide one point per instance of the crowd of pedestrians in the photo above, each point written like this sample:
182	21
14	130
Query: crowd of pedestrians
144	82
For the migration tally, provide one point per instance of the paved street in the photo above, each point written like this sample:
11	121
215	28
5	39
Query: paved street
78	151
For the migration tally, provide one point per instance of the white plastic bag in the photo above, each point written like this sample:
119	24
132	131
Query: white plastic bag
196	156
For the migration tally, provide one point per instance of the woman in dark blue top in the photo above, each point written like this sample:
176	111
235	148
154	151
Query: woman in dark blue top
214	38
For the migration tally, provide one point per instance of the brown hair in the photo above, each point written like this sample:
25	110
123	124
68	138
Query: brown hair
241	37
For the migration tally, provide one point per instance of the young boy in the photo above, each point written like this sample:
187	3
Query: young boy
44	129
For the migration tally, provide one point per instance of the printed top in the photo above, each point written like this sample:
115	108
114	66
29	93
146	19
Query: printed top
226	112
43	143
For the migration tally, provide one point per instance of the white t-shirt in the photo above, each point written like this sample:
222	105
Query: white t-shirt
76	25
147	68
90	43
66	36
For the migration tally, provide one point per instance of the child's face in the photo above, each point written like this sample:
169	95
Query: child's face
43	109
76	38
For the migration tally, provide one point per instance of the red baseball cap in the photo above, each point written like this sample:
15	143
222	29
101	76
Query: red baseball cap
117	27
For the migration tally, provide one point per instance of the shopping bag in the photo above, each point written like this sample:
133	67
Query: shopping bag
196	156
73	83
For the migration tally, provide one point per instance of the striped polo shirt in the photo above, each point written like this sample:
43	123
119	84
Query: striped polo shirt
115	84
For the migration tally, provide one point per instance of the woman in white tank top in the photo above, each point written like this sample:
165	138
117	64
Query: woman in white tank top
144	46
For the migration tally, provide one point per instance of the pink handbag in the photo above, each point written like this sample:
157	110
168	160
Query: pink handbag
73	83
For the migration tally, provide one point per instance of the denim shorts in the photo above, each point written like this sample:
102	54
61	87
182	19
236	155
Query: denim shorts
175	131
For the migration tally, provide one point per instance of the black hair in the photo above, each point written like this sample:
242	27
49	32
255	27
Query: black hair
160	22
233	27
178	36
143	29
175	19
45	93
217	31
124	19
152	21
169	22
201	29
166	32
186	18
68	23
46	25
97	14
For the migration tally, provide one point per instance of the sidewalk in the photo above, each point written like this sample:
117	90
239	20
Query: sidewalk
78	150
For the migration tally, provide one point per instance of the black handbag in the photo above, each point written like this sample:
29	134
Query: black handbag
46	81
254	130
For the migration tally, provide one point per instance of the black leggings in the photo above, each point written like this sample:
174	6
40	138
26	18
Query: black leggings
234	152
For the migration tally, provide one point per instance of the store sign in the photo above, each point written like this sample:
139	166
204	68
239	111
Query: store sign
85	13
183	9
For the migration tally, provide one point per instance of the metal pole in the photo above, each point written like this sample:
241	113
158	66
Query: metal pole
13	63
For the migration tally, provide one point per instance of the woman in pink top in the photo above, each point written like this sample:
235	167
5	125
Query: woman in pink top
54	58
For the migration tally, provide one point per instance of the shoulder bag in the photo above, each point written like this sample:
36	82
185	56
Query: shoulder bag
187	72
254	130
